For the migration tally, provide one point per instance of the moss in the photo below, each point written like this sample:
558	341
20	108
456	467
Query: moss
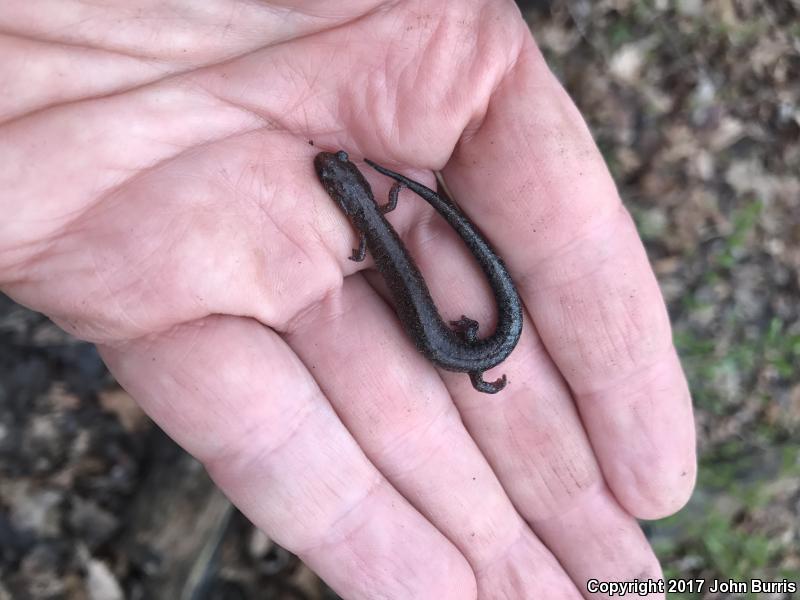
730	487
744	222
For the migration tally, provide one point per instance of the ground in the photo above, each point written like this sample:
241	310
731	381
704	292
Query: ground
695	107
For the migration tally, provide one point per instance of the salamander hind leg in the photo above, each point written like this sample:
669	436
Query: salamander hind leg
487	387
466	328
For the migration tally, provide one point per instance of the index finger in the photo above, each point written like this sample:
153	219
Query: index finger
531	170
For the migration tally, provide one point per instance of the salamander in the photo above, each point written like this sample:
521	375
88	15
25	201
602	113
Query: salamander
455	347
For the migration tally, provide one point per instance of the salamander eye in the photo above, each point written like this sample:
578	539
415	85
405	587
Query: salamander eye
342	156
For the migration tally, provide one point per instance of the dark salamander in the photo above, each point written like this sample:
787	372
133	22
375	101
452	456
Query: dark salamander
454	349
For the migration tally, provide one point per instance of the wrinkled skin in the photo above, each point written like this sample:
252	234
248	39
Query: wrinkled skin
158	198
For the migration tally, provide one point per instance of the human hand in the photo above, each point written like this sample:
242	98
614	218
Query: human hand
160	201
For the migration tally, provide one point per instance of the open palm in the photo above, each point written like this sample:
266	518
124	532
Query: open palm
158	198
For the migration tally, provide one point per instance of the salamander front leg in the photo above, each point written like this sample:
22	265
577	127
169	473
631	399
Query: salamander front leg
393	195
487	387
360	253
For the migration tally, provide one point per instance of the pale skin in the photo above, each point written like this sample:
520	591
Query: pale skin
158	199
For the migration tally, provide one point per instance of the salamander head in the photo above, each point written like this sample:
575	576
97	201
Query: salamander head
343	181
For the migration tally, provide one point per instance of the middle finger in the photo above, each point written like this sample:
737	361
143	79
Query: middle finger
395	405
